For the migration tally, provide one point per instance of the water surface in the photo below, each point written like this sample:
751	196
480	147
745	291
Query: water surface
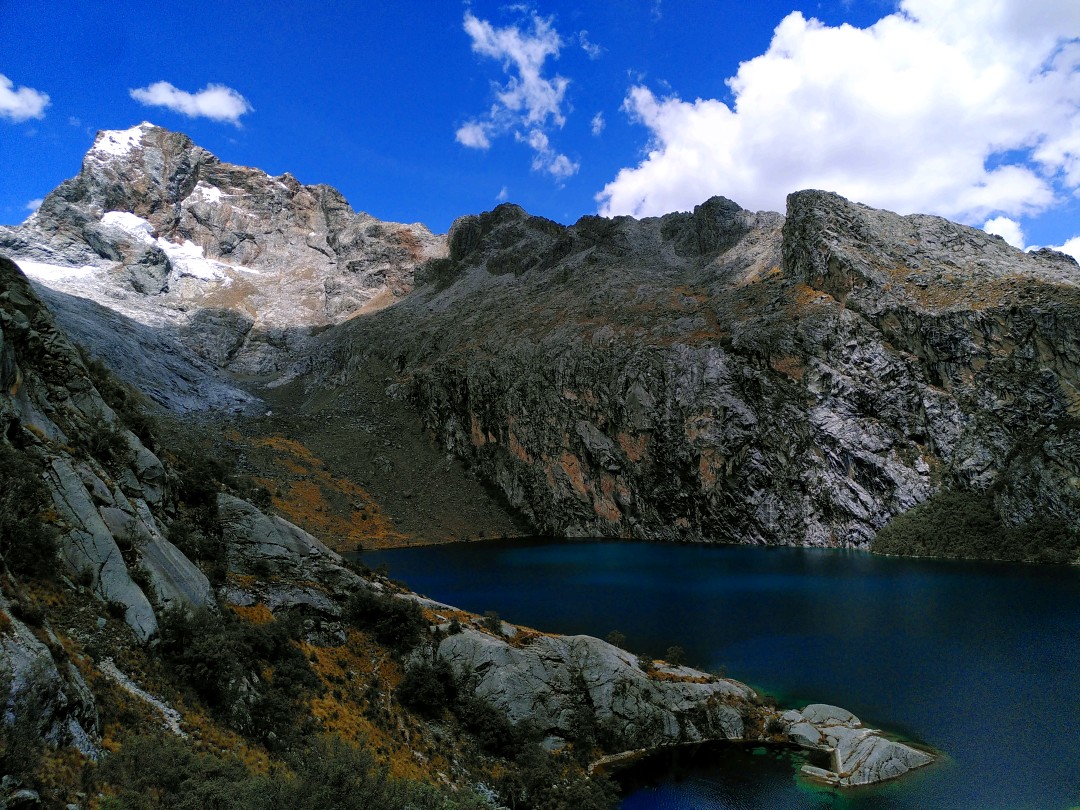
979	660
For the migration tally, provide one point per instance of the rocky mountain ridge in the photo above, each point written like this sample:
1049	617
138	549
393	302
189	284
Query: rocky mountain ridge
725	375
242	266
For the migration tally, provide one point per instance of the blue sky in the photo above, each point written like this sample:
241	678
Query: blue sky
425	111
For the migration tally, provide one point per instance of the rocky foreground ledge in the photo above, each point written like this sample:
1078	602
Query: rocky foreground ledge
556	683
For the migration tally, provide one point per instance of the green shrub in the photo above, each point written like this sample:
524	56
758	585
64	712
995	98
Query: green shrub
492	729
492	622
396	623
541	781
127	402
21	746
159	772
222	658
429	689
962	523
106	443
675	655
198	534
27	546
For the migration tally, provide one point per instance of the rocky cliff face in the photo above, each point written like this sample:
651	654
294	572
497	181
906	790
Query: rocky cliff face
109	491
239	265
741	377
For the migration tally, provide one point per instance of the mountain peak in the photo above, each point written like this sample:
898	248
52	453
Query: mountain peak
120	142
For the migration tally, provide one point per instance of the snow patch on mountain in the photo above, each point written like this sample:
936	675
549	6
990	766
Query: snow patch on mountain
134	226
207	193
41	271
120	142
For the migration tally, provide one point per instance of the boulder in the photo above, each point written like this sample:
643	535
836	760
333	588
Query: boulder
88	545
860	755
549	681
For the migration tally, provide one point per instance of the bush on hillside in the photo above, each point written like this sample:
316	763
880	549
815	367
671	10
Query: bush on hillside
27	545
396	623
962	523
159	772
224	659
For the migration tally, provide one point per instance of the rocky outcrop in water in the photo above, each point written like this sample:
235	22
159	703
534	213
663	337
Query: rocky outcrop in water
553	682
859	755
561	684
731	376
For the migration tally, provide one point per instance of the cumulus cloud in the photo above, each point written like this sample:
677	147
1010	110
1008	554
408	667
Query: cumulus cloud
215	101
968	110
1007	229
21	104
529	104
503	195
34	204
474	135
597	124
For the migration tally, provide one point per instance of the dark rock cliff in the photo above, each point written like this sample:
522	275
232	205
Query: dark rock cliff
731	376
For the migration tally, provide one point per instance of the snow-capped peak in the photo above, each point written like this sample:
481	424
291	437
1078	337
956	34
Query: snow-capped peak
120	142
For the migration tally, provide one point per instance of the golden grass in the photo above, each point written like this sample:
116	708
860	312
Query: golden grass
336	510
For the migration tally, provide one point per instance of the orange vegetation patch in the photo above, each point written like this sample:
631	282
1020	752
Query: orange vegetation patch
336	510
519	452
211	737
707	468
359	680
254	614
633	446
571	467
675	677
62	771
790	367
604	504
407	239
476	432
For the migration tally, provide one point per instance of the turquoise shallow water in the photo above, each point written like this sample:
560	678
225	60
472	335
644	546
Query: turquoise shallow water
978	660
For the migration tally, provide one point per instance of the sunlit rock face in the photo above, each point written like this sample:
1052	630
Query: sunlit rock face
724	375
242	265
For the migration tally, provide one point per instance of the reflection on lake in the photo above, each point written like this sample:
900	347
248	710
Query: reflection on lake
978	660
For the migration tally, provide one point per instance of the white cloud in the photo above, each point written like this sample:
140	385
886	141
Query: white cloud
964	109
1007	229
546	158
34	204
215	101
523	55
503	195
592	50
474	135
597	124
21	104
529	104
